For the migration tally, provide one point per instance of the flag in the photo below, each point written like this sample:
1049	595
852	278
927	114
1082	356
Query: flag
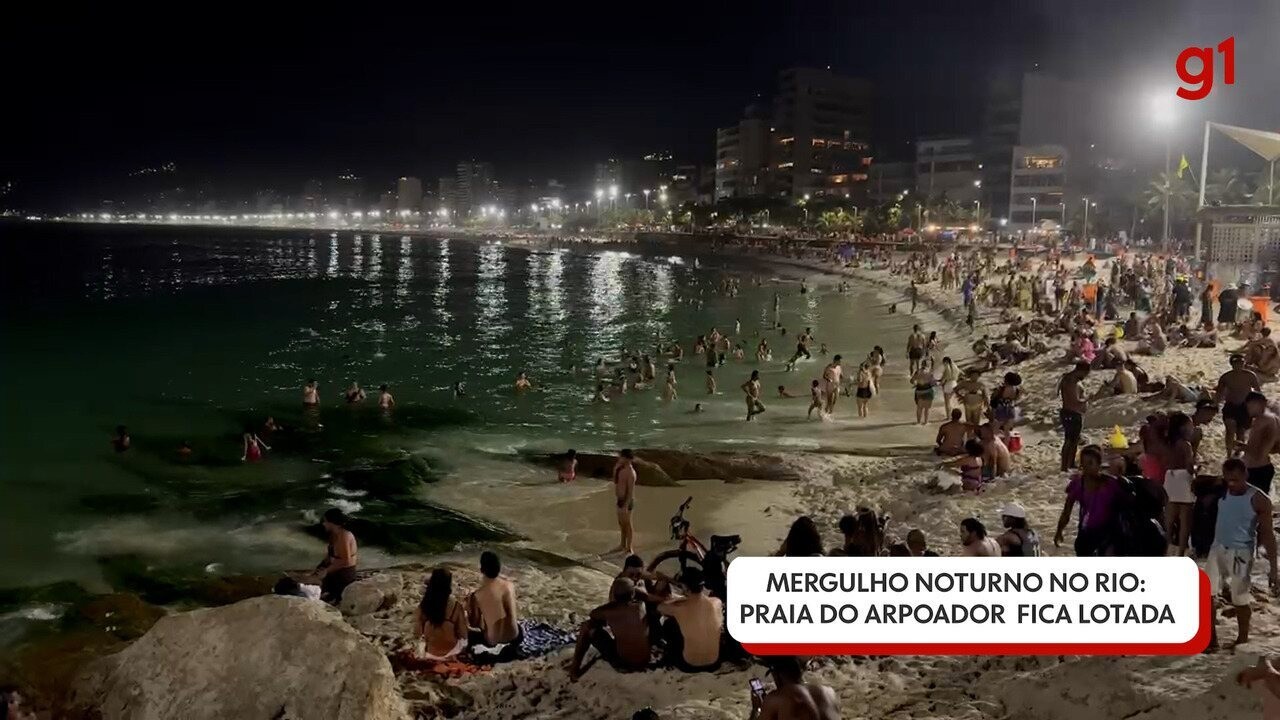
1183	166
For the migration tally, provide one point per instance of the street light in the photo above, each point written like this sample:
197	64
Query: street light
613	196
646	192
1162	114
1033	212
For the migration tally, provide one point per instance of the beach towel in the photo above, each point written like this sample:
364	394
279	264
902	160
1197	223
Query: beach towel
536	639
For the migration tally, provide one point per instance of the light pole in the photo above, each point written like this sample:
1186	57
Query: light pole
1033	213
599	201
1084	228
613	196
646	192
1162	107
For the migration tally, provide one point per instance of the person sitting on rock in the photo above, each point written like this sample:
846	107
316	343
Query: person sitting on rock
338	569
440	621
617	630
492	608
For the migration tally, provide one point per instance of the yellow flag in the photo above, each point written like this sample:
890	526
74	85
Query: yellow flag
1183	166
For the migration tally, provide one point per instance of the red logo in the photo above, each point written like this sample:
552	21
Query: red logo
1197	85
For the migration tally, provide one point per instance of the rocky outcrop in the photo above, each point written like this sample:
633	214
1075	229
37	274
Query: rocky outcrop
669	467
370	595
260	659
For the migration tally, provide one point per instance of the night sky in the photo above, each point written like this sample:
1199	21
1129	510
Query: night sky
252	98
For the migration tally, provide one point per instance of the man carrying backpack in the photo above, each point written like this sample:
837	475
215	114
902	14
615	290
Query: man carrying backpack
1018	539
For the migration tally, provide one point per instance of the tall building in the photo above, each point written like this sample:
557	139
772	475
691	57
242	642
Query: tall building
409	194
887	180
312	196
742	156
1038	185
821	126
1001	117
947	167
447	192
474	187
347	192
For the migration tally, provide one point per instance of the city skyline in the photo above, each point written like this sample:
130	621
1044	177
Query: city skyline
539	105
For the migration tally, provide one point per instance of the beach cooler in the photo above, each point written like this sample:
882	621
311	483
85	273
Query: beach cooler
1261	305
1015	442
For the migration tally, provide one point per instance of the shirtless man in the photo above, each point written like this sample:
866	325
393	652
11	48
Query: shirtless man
624	490
996	460
1264	434
1268	354
952	434
385	400
1234	385
831	379
794	699
617	630
915	349
669	390
1072	412
752	389
311	394
492	607
711	382
522	383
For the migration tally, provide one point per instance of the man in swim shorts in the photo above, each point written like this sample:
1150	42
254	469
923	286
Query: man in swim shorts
624	489
1233	386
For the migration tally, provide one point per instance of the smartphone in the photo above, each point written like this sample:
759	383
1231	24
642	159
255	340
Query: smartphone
757	687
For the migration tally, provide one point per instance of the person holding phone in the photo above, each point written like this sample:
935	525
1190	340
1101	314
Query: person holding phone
793	699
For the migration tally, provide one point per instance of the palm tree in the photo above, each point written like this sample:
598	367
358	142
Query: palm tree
1266	191
1224	187
1182	200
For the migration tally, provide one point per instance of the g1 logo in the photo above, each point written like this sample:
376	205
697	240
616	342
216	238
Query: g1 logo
1198	85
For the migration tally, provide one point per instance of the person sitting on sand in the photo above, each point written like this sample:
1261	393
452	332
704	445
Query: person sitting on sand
492	608
863	534
1155	343
1206	338
918	545
794	699
692	630
338	569
617	630
1132	327
1266	359
803	540
974	541
440	621
1017	540
1122	382
996	460
1112	356
952	434
1082	349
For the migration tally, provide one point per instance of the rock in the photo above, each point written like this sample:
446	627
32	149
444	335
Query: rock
668	467
370	595
261	659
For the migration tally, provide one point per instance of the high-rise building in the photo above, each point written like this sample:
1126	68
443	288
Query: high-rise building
947	167
821	126
447	192
409	194
312	196
887	180
347	192
1038	183
474	187
742	156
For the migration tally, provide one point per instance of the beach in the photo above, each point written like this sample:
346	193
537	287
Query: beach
822	469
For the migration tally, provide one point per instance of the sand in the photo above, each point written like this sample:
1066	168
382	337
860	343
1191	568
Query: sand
575	521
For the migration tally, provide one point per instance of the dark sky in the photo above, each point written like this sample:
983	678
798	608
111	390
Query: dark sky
254	97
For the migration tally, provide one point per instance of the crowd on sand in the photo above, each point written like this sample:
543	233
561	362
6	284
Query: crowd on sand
1149	495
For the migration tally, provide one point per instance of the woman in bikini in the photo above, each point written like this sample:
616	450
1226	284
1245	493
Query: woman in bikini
865	382
253	447
440	621
950	376
924	382
338	569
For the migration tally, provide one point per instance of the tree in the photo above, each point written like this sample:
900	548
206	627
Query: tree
1225	187
1266	189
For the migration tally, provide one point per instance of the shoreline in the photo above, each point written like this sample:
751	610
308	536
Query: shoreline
557	584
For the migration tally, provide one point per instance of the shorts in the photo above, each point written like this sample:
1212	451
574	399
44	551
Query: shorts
915	354
1072	424
631	505
1237	413
924	394
1261	477
864	393
1229	571
1004	412
1177	485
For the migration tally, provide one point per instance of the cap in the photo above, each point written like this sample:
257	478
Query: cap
1014	510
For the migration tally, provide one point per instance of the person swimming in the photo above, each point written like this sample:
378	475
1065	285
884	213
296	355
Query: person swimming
354	394
121	441
311	393
253	447
522	382
385	399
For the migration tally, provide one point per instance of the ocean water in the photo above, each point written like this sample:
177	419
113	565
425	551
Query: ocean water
192	334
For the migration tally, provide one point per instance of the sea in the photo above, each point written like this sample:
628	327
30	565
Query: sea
191	335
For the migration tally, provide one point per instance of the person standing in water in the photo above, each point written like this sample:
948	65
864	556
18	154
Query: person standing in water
385	400
121	442
624	490
522	382
865	389
832	376
311	393
669	389
711	382
915	349
924	382
253	446
816	401
752	388
355	394
568	467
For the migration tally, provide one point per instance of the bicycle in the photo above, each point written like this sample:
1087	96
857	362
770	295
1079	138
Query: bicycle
713	560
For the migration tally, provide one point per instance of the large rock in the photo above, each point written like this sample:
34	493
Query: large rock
370	595
269	658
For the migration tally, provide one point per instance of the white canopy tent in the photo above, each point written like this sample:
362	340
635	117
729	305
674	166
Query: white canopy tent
1263	143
